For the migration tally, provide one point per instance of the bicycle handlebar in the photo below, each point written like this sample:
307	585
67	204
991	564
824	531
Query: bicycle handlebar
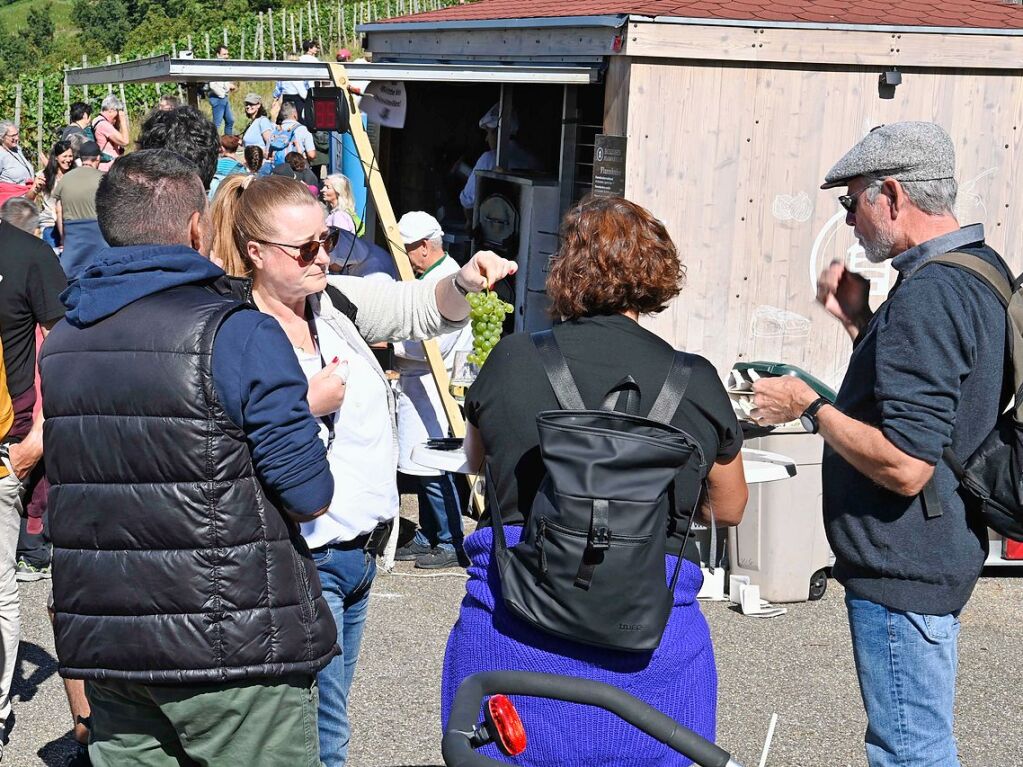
458	752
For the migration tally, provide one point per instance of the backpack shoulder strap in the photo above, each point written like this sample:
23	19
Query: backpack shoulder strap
674	388
1003	288
983	270
557	371
341	302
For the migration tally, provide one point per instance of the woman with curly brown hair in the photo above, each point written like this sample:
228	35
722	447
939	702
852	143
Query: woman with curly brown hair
616	263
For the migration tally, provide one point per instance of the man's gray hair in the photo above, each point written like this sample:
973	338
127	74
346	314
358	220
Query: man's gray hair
6	125
112	102
288	110
936	197
437	242
22	213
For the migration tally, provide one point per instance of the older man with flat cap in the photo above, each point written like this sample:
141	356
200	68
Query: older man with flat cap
926	374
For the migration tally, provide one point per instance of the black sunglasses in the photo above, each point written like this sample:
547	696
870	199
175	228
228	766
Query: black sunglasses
850	201
307	251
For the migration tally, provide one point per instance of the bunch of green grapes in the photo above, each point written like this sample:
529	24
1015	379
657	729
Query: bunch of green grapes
487	315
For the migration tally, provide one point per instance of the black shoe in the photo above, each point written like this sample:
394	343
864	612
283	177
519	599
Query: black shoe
437	559
80	758
412	552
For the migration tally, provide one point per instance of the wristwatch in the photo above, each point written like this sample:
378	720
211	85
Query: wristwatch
809	416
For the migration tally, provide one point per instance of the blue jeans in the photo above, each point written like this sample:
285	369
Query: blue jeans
222	111
906	663
346	577
440	513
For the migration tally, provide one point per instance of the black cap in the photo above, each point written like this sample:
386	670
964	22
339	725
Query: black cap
89	149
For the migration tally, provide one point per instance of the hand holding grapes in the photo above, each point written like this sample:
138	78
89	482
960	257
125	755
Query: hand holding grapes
483	270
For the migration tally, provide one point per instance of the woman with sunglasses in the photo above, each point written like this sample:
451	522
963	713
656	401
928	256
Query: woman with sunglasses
272	231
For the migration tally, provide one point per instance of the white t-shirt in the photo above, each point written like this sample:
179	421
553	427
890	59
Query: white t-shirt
361	457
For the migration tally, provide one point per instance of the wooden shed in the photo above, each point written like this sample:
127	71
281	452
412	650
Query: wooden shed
733	112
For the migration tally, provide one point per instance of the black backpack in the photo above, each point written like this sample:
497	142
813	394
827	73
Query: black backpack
590	567
993	475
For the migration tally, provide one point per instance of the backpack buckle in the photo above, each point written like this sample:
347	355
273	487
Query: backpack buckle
601	539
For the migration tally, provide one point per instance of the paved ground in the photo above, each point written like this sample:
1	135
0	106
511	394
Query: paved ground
798	665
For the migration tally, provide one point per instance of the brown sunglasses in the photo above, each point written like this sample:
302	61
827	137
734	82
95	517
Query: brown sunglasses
307	251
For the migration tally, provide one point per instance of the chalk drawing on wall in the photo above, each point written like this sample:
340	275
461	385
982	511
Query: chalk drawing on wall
772	322
835	241
789	207
970	205
778	335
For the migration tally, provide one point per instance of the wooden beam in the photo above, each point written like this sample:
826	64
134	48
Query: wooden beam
389	224
616	96
823	47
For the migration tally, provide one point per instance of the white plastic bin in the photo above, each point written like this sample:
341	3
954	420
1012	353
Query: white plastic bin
780	543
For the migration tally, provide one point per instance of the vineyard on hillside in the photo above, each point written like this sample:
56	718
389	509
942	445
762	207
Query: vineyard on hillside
38	99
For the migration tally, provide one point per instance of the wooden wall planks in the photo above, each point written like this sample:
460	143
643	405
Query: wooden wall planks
830	46
731	157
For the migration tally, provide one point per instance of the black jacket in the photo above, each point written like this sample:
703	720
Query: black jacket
170	562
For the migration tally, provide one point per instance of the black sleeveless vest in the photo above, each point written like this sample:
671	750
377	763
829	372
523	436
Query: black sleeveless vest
170	563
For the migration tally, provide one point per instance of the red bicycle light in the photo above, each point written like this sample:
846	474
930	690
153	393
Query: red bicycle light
505	726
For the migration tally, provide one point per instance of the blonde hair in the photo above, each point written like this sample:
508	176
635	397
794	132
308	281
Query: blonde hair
244	209
343	187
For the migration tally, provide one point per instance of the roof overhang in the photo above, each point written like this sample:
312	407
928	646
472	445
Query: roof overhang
578	39
167	69
834	27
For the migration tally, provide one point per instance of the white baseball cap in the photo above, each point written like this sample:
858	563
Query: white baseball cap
492	119
417	225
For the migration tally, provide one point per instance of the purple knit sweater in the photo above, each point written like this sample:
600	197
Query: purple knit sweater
679	678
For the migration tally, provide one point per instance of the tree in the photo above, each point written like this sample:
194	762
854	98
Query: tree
104	21
39	33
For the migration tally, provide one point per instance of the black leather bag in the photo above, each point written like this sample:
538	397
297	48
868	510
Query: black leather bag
591	565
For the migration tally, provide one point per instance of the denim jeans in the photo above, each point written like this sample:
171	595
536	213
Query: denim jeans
906	663
11	493
222	111
440	514
346	577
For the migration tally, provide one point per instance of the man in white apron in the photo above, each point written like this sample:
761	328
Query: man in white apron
438	542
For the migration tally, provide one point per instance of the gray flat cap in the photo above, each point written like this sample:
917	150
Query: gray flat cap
909	151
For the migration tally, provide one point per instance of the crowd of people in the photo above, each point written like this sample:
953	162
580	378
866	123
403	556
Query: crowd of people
210	592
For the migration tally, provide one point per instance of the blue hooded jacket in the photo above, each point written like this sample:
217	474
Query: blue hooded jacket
255	372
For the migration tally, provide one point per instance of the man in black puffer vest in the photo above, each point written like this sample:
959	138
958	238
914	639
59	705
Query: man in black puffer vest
183	453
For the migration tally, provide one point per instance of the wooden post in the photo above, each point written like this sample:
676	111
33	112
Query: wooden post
316	13
273	42
174	53
190	48
67	98
206	39
294	47
382	203
342	32
17	105
120	91
85	88
39	119
242	56
259	34
225	35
